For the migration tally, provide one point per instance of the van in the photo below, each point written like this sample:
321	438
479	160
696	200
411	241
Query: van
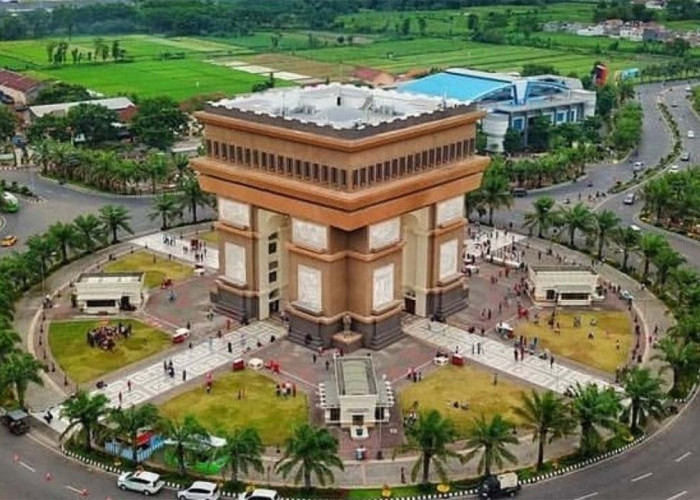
520	192
630	198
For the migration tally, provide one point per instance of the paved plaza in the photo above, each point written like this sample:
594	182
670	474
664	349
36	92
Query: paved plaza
499	356
494	242
179	248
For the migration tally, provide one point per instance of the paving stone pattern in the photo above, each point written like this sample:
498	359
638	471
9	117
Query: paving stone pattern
156	243
499	356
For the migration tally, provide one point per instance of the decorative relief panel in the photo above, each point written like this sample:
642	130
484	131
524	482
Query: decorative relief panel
450	210
383	286
235	264
384	233
309	288
234	213
309	234
449	261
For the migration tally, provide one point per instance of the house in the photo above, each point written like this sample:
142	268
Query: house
122	105
374	77
510	101
563	285
632	33
20	88
596	30
108	293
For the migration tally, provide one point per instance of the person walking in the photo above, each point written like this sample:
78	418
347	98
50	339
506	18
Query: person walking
184	375
128	385
120	398
495	378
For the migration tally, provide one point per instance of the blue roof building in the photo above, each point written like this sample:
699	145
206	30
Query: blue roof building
511	101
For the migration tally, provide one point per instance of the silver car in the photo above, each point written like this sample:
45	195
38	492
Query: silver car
200	490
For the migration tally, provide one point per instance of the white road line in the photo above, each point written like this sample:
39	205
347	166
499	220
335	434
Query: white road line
643	476
683	456
27	466
590	495
677	495
74	490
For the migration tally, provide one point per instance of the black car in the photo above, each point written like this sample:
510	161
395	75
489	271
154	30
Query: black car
16	421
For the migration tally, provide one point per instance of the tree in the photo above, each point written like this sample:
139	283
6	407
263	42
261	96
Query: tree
8	341
627	238
310	450
666	261
114	218
577	218
158	121
606	100
594	408
43	248
643	395
650	244
244	450
605	222
184	434
681	356
541	216
495	192
166	207
191	195
19	370
156	168
513	141
58	92
490	438
65	236
84	410
128	422
90	230
95	122
430	435
547	416
538	132
8	123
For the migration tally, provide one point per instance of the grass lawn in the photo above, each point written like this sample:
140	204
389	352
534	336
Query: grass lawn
210	237
83	363
157	268
221	411
573	343
470	384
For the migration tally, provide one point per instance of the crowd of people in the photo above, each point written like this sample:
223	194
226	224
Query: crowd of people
105	336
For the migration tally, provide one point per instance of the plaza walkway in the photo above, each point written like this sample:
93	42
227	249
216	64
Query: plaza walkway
499	356
156	242
152	380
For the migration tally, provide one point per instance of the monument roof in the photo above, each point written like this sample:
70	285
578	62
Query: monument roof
355	376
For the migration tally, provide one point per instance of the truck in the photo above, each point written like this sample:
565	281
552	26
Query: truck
502	485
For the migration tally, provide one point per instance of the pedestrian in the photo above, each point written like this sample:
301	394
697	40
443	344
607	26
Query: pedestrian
170	365
328	365
208	387
472	349
189	325
120	398
184	375
313	356
190	345
211	344
172	372
551	362
403	476
165	366
230	347
515	354
495	378
128	385
617	344
294	390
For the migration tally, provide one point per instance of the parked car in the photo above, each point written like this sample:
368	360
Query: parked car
688	88
8	241
626	295
685	156
148	483
674	104
630	198
635	227
16	421
520	192
638	166
259	494
674	169
691	134
500	486
200	490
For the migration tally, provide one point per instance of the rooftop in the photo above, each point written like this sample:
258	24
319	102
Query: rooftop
133	277
337	108
114	103
454	83
559	269
17	81
355	376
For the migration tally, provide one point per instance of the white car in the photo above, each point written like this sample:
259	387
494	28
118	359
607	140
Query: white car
688	88
638	166
674	169
630	198
145	482
635	227
259	494
691	134
200	490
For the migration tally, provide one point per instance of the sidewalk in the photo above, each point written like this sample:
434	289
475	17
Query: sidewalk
179	249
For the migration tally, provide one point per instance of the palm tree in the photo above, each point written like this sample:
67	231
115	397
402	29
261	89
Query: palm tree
685	280
472	201
85	410
547	416
191	195
129	422
166	207
605	222
181	164
114	218
495	192
19	369
541	216
184	434
627	239
310	450
490	438
8	341
90	229
577	218
681	357
155	168
593	408
666	260
43	248
244	450
430	435
656	194
65	236
644	395
650	244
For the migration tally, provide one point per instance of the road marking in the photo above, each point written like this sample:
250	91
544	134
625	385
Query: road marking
643	476
74	490
27	466
683	456
677	495
590	495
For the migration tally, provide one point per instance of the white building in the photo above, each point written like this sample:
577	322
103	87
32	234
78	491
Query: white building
109	293
353	397
563	285
596	30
